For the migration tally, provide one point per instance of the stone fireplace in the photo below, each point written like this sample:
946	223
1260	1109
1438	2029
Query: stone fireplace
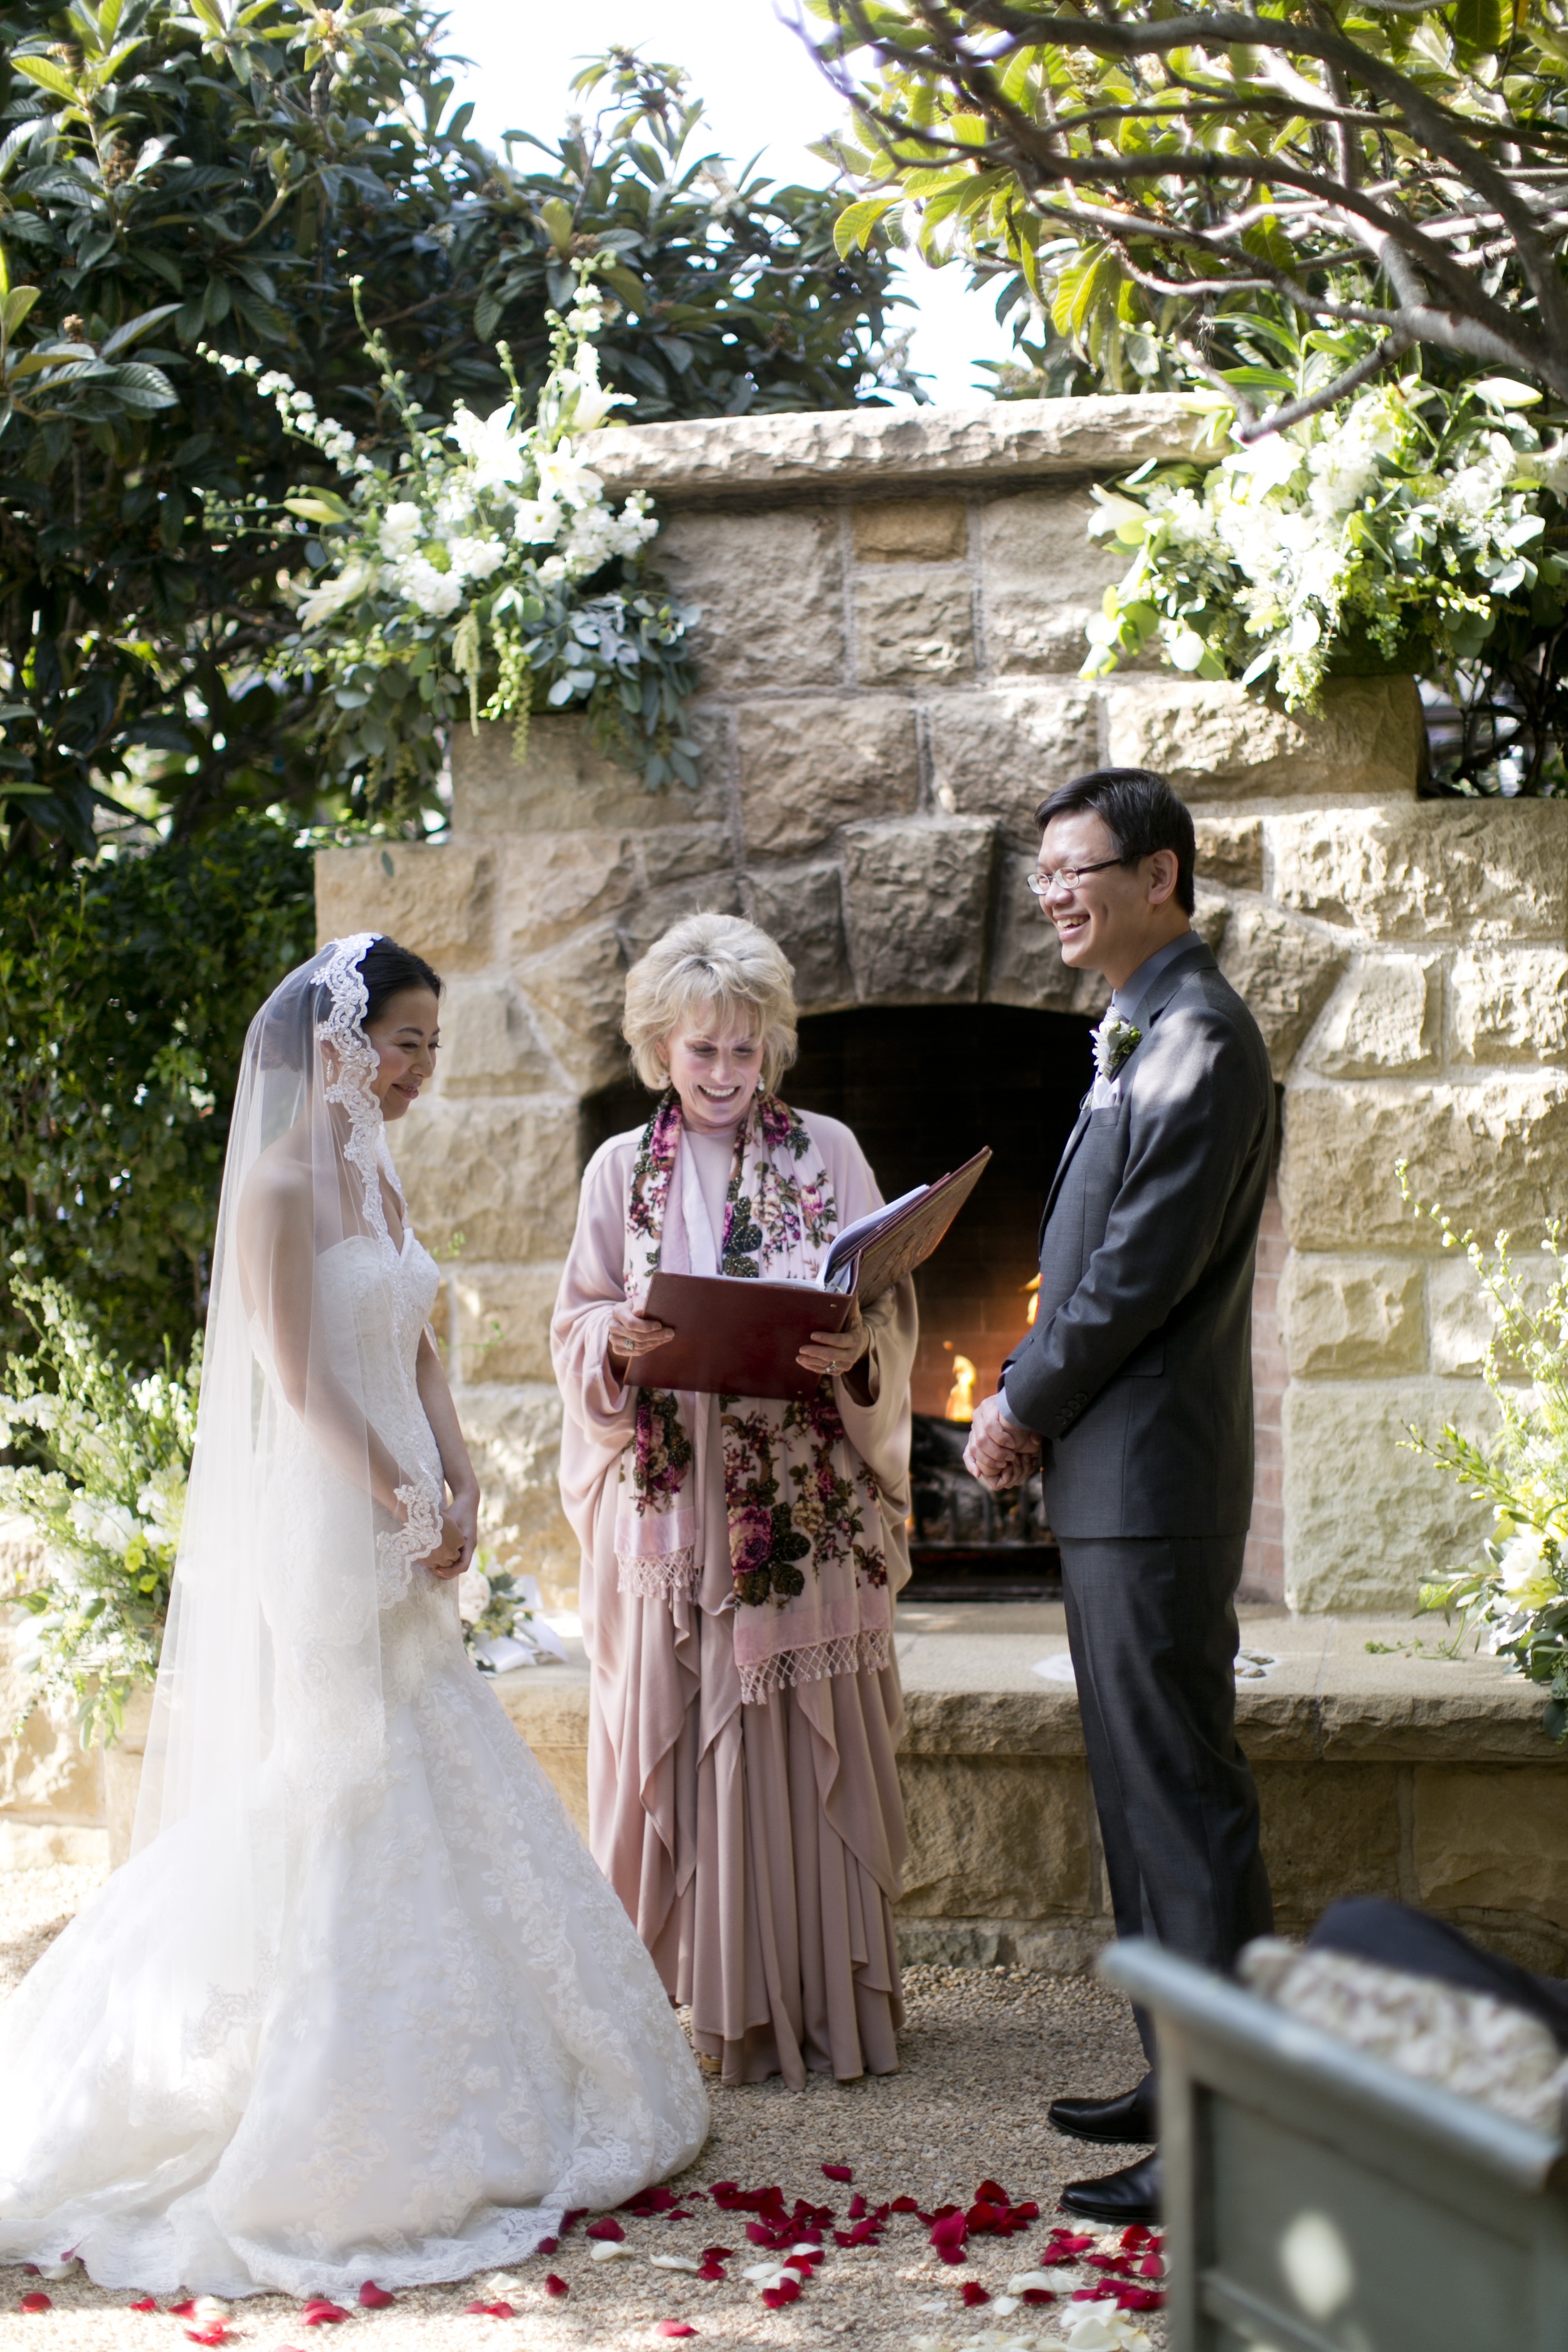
893	613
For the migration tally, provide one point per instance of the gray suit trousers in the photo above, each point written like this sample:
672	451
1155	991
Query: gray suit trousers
1151	1625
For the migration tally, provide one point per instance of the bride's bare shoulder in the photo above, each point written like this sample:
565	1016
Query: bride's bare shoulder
278	1190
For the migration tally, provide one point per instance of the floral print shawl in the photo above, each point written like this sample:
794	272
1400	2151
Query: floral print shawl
810	1596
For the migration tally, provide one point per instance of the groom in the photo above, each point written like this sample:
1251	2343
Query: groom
1133	1391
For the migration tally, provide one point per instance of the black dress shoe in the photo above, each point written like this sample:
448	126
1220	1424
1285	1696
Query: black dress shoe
1121	2198
1126	2122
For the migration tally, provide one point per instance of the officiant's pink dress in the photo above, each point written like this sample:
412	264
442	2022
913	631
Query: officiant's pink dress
758	1848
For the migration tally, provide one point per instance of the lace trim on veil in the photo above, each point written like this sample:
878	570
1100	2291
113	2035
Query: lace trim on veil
366	1153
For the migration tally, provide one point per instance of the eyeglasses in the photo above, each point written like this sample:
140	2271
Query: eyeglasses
1067	876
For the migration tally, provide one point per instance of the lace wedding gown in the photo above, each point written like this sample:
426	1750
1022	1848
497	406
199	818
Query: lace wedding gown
397	2023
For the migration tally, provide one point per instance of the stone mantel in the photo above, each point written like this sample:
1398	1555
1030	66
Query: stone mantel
893	449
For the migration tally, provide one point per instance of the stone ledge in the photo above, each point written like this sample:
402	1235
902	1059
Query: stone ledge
853	448
970	1690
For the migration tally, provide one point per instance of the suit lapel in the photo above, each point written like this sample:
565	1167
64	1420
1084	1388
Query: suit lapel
1200	958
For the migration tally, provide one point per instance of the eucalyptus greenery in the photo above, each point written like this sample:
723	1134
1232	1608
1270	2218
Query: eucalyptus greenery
1513	1598
107	1507
1410	529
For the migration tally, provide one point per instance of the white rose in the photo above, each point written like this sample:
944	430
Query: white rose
1523	1572
476	559
435	592
402	528
536	521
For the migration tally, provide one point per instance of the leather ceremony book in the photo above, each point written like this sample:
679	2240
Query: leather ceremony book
742	1337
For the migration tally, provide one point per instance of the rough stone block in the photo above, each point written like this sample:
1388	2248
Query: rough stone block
802	906
1493	1154
566	784
651	917
1493	1838
514	1436
998	754
1027	965
1438	869
852	448
44	1776
1230	851
911	626
1346	1316
1386	1018
1045	579
1329	1830
1509	1005
503	1322
1283	970
503	1174
911	530
809	767
555	882
436	899
1217	741
577	993
487	1043
917	895
770	585
1460	1312
681	853
997	1837
1366	1520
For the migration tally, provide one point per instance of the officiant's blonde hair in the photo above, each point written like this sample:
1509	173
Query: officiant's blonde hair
705	960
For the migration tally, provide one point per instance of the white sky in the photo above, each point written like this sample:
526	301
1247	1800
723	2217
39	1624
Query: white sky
762	91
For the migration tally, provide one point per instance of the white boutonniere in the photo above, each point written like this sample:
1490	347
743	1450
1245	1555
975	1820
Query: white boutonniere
1113	1041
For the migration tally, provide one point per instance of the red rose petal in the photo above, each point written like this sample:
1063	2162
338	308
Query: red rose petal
1152	2266
993	2193
29	2270
837	2172
548	2246
143	2303
35	2301
674	2327
903	2205
607	2229
712	2271
1038	2294
718	2253
214	2335
320	2313
1139	2298
374	2298
555	2285
182	2310
974	2293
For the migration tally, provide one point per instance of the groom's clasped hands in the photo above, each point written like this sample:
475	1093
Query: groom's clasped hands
999	1454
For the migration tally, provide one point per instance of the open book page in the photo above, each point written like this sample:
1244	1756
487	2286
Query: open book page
839	1271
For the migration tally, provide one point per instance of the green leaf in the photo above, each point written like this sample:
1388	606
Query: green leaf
46	74
856	223
1482	24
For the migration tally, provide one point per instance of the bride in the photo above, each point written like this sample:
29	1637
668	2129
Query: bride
360	2005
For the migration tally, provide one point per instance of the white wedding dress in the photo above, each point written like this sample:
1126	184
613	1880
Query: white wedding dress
380	2016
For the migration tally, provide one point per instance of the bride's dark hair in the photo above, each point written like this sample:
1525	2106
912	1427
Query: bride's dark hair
386	970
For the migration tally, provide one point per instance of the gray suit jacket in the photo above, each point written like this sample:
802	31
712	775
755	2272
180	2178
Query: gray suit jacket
1137	1371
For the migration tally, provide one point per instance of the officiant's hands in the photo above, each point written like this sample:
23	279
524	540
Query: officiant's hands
999	1454
631	1335
836	1351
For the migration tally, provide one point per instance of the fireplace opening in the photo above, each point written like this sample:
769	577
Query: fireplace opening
923	1086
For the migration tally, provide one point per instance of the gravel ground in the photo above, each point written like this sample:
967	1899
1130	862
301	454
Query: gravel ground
983	2053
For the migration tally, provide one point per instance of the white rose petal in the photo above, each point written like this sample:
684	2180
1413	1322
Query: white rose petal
608	2250
674	2263
402	528
1024	2281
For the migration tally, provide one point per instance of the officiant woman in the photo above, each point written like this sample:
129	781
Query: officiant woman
740	1555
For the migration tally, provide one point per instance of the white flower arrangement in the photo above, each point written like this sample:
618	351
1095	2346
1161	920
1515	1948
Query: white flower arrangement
107	1510
503	1620
1513	1600
1404	515
457	569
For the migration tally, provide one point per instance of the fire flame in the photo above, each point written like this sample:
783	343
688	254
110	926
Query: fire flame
960	1396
